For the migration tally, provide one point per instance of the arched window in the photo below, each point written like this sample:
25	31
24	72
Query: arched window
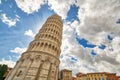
42	44
49	36
48	30
45	35
19	73
55	51
51	30
52	47
38	44
49	45
52	38
54	30
45	45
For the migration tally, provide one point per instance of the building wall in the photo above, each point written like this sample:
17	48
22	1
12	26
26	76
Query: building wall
97	76
111	77
81	76
66	75
118	78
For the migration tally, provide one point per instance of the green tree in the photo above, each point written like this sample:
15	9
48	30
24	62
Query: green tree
3	69
0	67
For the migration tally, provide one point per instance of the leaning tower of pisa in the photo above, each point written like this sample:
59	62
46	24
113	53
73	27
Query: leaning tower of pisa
41	60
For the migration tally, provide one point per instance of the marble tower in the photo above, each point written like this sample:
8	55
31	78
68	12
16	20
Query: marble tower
41	60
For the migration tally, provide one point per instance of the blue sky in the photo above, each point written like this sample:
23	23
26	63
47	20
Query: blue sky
90	34
12	36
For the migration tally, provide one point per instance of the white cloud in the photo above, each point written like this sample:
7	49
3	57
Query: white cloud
30	6
98	19
74	49
105	60
98	16
9	21
118	58
18	50
29	33
61	7
0	2
10	63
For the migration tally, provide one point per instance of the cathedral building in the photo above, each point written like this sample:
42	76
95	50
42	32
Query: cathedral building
41	60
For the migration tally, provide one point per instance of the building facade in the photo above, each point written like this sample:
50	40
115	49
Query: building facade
41	60
81	76
101	76
111	76
66	74
118	77
97	76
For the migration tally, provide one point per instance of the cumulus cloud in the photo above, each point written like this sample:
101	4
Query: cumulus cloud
61	7
30	6
107	60
98	19
18	50
73	49
10	63
9	21
98	16
29	33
